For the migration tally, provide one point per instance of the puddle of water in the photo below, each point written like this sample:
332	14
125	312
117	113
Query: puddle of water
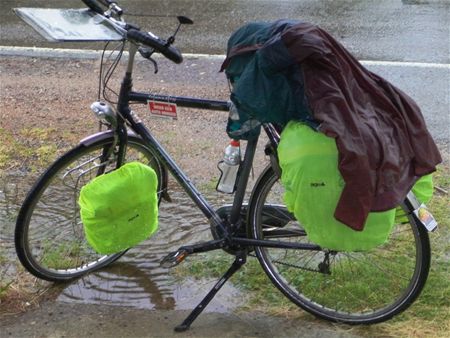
10	199
136	280
8	211
124	284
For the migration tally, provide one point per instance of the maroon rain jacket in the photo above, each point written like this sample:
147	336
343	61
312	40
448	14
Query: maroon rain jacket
383	143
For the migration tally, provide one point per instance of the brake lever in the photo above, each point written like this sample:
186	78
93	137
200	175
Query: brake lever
154	64
147	53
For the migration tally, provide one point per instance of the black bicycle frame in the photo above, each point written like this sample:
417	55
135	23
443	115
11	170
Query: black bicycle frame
126	96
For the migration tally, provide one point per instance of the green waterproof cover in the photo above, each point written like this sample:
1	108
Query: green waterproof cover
120	209
313	185
423	190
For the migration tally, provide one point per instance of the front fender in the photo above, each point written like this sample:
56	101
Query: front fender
103	135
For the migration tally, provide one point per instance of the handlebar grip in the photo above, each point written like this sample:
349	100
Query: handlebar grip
169	52
93	4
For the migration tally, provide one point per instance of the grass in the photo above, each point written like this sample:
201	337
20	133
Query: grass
209	186
19	291
62	256
31	148
428	316
4	283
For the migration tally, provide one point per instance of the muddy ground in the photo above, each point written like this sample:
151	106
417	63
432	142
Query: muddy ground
68	320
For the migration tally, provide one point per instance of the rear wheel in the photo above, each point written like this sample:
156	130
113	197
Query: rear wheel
350	287
49	235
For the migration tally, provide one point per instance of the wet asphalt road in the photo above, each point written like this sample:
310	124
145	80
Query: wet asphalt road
409	40
394	30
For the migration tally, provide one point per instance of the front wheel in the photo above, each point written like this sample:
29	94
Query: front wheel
49	235
350	287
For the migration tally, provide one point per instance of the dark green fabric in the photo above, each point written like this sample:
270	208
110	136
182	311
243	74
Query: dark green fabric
267	84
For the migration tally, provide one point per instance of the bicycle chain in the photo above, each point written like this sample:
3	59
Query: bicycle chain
292	265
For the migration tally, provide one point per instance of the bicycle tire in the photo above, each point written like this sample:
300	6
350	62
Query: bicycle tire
49	236
349	287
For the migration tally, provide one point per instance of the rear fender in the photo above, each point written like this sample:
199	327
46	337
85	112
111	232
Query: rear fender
416	208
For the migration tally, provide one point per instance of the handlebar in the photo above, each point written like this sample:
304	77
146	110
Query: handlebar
93	4
161	46
134	34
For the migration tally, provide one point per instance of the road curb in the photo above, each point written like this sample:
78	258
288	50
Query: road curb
79	53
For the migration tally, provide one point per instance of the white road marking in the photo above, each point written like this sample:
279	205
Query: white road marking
87	53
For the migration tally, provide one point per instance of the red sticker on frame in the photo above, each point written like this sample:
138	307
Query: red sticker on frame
163	109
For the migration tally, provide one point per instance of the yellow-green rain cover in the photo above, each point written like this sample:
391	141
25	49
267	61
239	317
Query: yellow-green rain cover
313	185
120	209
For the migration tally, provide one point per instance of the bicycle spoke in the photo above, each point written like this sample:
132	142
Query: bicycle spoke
354	287
55	247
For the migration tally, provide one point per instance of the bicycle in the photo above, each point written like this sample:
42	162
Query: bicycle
346	287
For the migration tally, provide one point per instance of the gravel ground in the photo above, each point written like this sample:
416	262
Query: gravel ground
67	320
55	94
46	101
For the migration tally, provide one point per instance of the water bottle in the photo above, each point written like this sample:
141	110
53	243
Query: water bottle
229	167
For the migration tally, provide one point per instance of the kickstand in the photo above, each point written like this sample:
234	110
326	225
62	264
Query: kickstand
240	260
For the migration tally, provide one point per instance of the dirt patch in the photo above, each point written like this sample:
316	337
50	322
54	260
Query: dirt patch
45	110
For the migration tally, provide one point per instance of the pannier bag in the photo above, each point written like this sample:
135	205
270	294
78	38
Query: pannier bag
120	209
313	185
423	189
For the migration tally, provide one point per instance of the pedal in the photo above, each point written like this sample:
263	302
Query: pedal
174	258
